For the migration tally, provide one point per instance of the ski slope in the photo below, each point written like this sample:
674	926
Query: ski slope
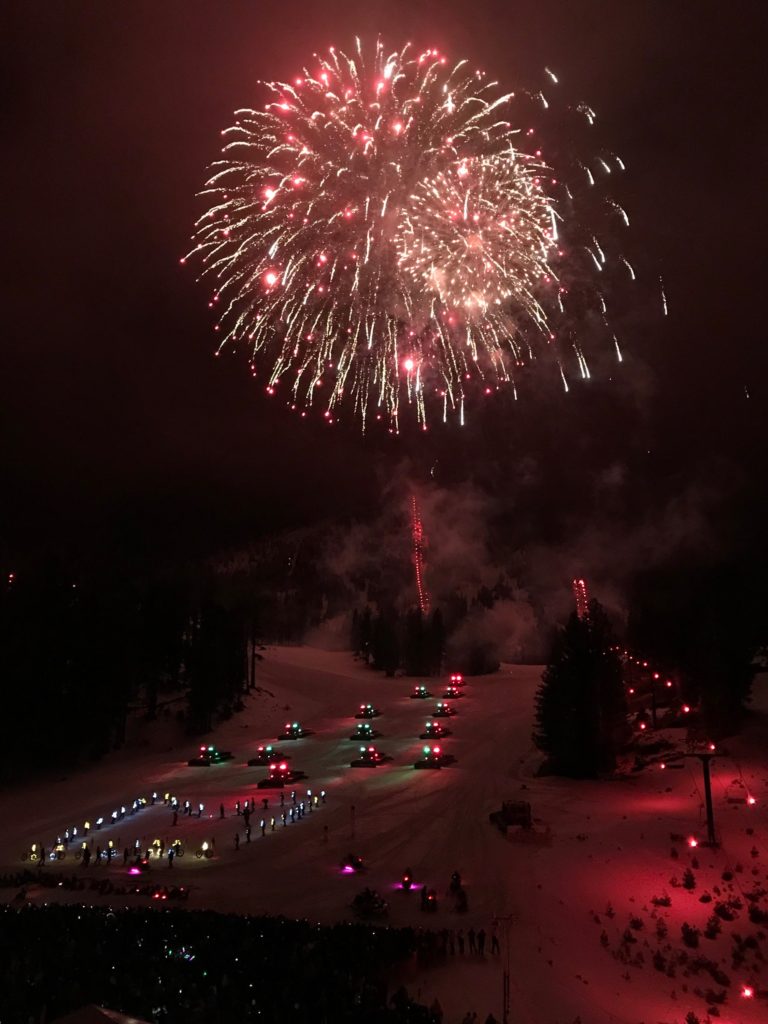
595	843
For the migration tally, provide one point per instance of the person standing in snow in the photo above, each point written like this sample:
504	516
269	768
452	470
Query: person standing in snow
481	942
471	937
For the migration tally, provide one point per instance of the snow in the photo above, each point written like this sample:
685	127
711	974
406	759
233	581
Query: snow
609	843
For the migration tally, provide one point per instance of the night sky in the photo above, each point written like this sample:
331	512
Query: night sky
118	422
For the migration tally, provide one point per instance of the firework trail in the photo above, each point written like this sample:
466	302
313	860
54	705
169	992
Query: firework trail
387	231
417	540
581	597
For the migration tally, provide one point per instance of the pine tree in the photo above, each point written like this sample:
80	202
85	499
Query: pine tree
436	643
580	705
355	632
385	643
414	653
366	635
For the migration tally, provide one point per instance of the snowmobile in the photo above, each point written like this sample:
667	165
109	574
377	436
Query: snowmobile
293	731
368	711
369	757
266	755
209	755
452	693
364	731
434	731
420	693
280	775
428	900
352	862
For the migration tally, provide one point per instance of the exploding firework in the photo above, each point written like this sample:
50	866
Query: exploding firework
387	232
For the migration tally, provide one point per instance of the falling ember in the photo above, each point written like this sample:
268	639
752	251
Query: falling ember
391	202
417	540
581	597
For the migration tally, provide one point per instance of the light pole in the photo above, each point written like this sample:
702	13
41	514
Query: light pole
507	921
705	759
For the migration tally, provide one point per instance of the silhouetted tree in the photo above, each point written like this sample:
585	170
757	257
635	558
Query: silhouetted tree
580	704
415	660
708	622
385	645
436	643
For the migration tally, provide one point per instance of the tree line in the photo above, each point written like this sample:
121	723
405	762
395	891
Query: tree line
78	657
704	623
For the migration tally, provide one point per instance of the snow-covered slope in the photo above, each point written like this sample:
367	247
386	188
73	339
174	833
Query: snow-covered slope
595	843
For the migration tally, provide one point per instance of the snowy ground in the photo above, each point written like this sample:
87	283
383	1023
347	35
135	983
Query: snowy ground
609	844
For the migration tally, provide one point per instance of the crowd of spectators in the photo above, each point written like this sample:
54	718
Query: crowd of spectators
170	965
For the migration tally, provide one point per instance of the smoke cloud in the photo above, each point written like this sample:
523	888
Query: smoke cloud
516	593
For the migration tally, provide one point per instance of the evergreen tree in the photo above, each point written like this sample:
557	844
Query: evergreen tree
385	644
217	665
355	632
708	622
366	635
414	646
580	704
436	643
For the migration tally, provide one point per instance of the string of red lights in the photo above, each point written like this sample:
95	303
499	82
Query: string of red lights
417	536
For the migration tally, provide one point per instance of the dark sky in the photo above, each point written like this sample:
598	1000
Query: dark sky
116	418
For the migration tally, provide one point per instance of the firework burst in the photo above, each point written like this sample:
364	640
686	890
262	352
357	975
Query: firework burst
387	233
